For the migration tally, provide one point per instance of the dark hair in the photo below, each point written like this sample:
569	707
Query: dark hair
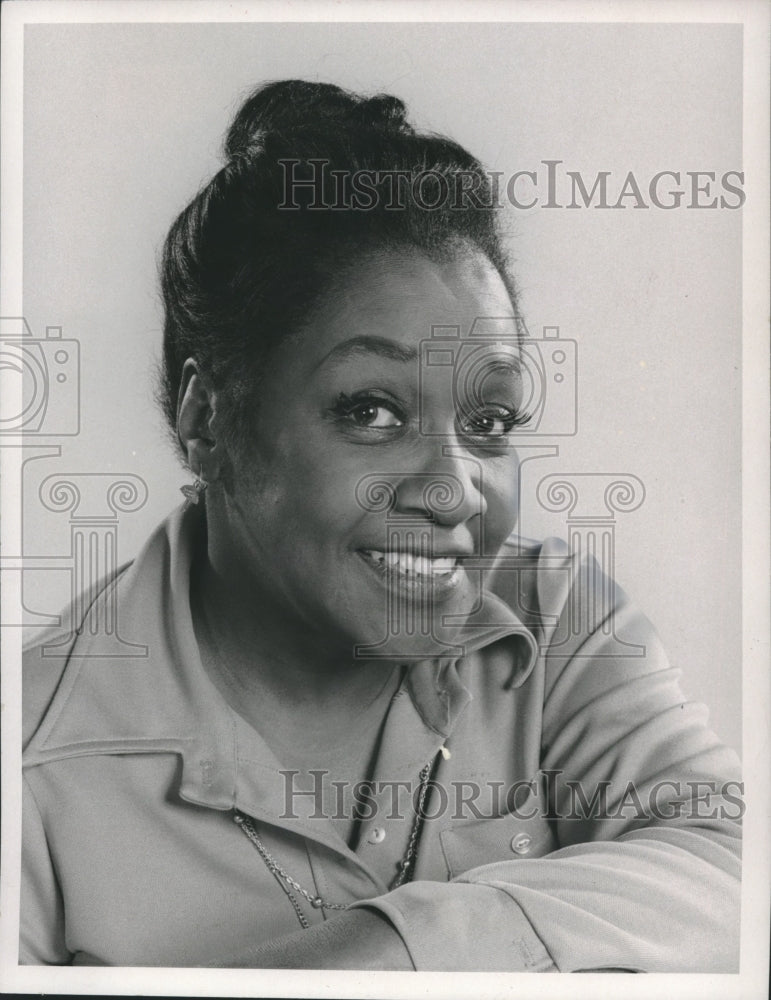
245	262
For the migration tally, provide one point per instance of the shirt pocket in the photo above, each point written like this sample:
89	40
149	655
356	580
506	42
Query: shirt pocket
513	836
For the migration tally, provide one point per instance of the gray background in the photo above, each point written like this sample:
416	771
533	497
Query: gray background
122	123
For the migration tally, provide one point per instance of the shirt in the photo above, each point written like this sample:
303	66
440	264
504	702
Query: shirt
586	818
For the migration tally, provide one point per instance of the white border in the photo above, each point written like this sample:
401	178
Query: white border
749	12
752	981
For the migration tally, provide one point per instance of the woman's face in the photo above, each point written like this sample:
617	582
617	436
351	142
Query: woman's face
380	467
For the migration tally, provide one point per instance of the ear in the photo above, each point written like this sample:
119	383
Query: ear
196	409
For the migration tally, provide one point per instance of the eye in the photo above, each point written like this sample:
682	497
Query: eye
368	412
373	414
491	422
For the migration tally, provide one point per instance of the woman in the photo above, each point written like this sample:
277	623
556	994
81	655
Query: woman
374	730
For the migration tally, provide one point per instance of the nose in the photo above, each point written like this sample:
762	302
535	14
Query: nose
447	489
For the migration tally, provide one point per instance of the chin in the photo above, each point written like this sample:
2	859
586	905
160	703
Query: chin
411	630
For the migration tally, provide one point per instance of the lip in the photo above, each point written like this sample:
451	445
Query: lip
424	587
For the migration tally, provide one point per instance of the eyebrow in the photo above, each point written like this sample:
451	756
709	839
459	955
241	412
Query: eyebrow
381	346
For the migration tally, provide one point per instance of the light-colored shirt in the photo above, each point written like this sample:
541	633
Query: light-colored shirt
586	818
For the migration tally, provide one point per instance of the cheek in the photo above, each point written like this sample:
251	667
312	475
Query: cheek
502	497
296	492
313	491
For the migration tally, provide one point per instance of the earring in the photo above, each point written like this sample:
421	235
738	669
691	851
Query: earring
193	493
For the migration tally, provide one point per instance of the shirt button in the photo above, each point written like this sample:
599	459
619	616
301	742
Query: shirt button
376	836
520	844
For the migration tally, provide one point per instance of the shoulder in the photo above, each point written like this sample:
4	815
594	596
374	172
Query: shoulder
115	649
40	678
47	655
95	627
534	576
548	572
582	619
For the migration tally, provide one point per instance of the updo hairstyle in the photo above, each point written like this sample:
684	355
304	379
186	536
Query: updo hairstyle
241	270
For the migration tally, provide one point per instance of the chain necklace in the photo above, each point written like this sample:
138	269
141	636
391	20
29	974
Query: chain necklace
291	885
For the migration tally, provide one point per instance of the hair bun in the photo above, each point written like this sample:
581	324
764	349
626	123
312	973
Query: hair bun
289	105
385	110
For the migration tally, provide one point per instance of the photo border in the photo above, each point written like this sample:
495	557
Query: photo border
751	981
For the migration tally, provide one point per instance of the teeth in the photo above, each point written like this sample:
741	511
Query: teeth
422	565
411	565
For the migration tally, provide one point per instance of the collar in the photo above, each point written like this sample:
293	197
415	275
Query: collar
163	701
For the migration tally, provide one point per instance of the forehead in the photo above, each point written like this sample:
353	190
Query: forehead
401	296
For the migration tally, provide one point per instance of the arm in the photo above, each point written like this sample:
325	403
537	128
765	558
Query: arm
41	932
655	889
356	939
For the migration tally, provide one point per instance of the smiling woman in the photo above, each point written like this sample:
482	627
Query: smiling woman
375	728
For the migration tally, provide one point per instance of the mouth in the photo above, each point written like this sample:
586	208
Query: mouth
414	573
